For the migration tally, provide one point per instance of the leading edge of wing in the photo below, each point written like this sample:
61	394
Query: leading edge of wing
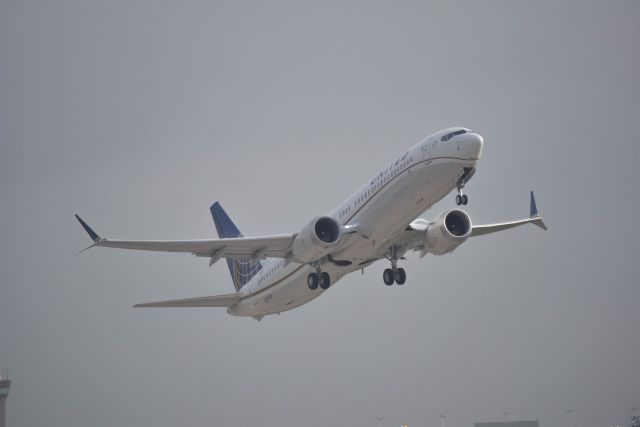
276	245
210	301
535	218
264	246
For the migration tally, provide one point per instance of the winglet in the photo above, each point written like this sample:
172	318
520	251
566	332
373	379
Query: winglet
533	210
533	213
94	236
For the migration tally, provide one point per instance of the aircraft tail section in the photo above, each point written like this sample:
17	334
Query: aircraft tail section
242	269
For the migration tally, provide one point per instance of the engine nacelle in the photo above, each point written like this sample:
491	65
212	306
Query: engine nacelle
447	232
316	239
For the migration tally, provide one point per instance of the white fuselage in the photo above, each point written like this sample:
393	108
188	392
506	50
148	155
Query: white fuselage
380	210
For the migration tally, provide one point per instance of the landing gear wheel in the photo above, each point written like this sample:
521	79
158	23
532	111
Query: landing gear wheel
401	276
458	199
465	199
325	280
312	281
388	276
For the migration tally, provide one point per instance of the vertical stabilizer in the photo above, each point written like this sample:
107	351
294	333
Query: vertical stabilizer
242	269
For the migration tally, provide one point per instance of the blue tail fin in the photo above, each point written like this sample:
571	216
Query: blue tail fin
242	269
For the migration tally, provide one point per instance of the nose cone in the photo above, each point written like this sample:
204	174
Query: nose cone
471	145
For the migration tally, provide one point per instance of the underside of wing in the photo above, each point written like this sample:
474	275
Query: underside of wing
479	230
266	246
212	301
417	235
277	246
534	218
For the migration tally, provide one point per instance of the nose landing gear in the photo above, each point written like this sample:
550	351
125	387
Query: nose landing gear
461	199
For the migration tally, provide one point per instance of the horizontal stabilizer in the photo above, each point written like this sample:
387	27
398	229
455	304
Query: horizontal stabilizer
212	301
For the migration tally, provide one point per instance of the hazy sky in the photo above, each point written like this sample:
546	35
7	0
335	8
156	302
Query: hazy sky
139	114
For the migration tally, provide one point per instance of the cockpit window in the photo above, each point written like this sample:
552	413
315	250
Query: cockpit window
452	134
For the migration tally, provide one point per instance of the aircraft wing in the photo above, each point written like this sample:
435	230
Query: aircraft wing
278	246
479	230
212	301
412	238
534	218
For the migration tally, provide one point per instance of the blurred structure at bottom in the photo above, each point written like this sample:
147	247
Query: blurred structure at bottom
509	424
4	393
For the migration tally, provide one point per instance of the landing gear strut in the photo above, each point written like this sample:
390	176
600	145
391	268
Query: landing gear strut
394	274
462	199
467	173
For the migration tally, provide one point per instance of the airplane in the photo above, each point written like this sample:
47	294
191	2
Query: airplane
273	274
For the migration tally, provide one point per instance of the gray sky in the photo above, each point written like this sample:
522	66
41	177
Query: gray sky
139	114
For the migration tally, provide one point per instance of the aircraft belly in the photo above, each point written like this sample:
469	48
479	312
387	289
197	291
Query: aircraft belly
396	207
386	215
284	296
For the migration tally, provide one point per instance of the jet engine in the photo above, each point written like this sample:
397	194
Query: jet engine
447	232
316	239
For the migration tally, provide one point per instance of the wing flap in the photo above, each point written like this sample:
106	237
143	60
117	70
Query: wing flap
211	301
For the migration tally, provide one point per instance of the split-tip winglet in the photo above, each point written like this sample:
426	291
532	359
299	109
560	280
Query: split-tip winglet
94	236
533	213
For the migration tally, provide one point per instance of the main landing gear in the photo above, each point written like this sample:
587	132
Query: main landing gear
394	274
319	278
390	276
